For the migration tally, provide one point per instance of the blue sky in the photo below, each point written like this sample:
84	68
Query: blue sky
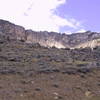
53	15
85	11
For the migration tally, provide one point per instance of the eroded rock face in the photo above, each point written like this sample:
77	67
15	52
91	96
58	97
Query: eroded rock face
11	30
44	38
50	39
20	33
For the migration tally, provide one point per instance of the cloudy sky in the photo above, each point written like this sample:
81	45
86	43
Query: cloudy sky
53	15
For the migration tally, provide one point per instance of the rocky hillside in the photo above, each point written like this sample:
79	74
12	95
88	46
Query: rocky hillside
33	72
49	39
29	70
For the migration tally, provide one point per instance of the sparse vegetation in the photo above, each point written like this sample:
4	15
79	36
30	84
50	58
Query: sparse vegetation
69	70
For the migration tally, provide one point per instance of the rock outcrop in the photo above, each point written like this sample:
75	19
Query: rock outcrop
50	39
11	30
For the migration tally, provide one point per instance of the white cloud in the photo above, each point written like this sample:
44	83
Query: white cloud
36	14
81	31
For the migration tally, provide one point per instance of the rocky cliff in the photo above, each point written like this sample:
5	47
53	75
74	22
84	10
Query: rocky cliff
50	39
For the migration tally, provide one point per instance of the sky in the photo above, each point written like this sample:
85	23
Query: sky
65	16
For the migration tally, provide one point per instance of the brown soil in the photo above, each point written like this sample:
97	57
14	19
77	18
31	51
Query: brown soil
32	72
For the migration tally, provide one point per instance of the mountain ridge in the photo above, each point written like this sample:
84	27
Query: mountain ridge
49	39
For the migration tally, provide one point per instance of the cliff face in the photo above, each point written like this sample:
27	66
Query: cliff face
11	30
49	39
45	39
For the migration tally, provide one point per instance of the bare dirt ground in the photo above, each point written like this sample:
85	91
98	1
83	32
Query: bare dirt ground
32	72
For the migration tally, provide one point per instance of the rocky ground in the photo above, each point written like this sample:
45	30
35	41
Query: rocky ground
32	72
